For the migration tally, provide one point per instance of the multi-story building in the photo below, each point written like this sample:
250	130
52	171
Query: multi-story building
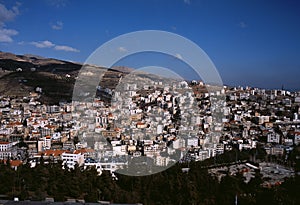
5	150
70	159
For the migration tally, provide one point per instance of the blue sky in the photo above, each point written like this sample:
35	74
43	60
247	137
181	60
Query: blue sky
254	43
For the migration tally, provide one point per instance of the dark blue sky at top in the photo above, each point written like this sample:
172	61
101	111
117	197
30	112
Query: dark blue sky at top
254	43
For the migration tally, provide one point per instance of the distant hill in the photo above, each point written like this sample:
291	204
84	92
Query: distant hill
22	74
11	62
122	69
55	77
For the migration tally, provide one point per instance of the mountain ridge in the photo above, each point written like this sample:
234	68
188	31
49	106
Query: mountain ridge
55	77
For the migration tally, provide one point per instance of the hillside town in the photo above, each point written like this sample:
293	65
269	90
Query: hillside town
164	123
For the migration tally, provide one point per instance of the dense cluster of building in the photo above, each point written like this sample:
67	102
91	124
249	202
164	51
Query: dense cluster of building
165	122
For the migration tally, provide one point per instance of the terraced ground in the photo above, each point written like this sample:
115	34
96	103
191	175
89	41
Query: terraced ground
55	87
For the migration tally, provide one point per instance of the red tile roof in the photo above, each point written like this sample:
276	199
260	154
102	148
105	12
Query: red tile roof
53	152
15	163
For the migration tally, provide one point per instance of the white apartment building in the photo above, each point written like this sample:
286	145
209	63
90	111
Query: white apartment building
5	150
70	159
